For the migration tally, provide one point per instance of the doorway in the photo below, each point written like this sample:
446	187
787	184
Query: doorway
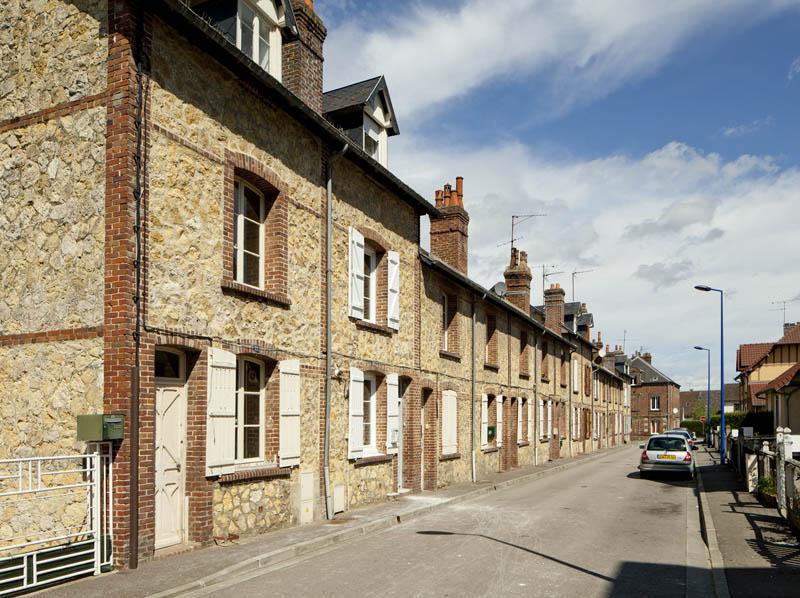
170	442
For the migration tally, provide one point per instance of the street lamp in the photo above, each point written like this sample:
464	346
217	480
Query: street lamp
708	395
706	288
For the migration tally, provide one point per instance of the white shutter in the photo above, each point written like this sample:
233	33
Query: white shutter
449	423
356	286
541	418
549	419
575	376
393	311
289	430
499	421
221	412
484	421
392	413
530	421
519	420
356	434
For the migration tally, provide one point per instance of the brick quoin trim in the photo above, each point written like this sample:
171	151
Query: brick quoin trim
276	232
51	336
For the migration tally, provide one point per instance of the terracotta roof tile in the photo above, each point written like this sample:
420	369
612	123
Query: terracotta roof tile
751	353
781	380
791	337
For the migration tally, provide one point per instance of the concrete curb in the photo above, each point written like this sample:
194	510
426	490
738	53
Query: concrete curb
710	536
323	543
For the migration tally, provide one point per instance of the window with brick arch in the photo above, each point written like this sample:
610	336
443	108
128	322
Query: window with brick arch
545	361
564	372
255	232
524	359
491	339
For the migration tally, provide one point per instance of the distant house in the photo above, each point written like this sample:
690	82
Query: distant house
693	400
655	405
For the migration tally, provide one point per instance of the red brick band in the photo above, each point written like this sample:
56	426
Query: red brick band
62	109
51	336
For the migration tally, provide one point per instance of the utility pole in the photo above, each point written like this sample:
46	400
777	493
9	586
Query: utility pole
575	273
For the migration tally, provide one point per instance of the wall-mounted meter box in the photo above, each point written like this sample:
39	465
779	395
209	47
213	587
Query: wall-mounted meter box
98	427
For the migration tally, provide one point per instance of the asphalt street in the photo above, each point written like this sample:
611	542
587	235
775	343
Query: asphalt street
593	530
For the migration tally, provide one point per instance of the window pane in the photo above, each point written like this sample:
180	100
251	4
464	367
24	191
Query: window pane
251	409
251	237
252	200
371	146
263	45
250	273
168	365
252	376
247	40
251	443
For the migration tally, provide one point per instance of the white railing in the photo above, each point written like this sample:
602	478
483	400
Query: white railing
55	518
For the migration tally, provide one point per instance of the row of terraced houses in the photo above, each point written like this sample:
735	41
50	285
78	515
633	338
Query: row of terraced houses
196	237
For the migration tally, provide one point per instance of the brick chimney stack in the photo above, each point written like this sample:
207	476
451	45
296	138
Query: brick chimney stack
554	307
450	231
302	57
518	280
648	357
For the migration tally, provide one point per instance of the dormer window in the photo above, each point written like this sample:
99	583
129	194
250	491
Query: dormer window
253	26
363	111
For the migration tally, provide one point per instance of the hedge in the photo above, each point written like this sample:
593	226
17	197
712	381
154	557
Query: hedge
761	422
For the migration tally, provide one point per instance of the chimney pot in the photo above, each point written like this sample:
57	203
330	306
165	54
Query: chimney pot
460	187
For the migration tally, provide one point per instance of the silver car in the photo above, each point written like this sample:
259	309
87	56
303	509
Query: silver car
666	453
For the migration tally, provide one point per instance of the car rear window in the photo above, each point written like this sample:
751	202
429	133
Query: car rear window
667	444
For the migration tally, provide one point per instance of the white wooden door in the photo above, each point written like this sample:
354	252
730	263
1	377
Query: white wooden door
170	439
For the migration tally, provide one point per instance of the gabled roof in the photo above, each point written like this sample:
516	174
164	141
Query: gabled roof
356	96
781	381
749	354
791	337
649	373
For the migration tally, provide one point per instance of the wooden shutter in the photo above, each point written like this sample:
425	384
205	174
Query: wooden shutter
289	430
356	286
541	418
393	310
519	420
221	412
484	421
392	413
449	423
549	418
530	436
499	400
575	376
356	417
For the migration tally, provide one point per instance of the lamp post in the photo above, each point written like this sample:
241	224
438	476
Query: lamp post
706	288
708	394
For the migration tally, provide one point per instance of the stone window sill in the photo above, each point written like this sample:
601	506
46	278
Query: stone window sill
524	443
546	379
279	299
489	449
372	327
450	355
563	385
259	473
491	366
524	375
450	457
373	459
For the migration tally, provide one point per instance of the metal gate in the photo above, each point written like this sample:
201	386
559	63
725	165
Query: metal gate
55	518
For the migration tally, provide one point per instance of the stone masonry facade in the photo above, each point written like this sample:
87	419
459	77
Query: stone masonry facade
130	135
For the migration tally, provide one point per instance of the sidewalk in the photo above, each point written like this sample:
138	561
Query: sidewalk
175	575
761	555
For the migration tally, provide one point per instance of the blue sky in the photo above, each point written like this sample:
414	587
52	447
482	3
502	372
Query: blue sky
660	138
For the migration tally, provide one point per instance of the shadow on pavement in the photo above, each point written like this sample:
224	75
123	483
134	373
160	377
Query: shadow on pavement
671	479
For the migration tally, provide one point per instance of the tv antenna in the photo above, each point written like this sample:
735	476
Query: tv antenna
574	274
518	219
625	339
783	305
546	275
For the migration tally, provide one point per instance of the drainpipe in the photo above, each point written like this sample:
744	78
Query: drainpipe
328	340
133	488
474	393
536	415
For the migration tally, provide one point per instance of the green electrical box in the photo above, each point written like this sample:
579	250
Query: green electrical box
98	427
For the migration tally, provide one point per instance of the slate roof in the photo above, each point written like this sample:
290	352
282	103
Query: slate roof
357	95
749	354
649	373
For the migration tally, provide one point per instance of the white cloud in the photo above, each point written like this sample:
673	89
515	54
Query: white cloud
640	283
794	69
586	48
749	128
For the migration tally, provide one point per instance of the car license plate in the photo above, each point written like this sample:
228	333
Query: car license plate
667	457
